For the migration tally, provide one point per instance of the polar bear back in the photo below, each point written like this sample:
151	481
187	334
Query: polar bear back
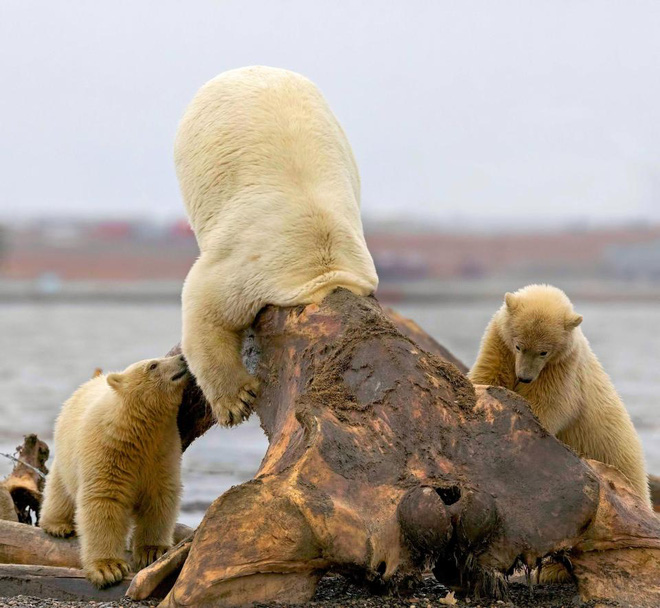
76	430
263	123
271	186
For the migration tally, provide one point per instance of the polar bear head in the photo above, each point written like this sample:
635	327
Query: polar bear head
538	323
154	380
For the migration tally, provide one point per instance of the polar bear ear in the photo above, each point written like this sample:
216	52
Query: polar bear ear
511	301
572	321
115	381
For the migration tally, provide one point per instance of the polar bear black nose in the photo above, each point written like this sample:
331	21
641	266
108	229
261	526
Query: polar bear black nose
525	380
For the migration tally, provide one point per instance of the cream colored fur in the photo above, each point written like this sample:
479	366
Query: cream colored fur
272	192
568	389
117	463
7	509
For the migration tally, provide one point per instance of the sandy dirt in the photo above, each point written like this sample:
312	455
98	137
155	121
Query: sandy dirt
336	592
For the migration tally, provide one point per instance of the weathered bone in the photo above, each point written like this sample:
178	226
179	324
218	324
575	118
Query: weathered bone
384	459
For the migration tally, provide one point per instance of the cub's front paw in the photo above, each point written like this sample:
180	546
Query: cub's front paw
232	410
106	572
59	530
144	556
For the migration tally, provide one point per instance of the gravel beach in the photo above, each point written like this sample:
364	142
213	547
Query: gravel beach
337	592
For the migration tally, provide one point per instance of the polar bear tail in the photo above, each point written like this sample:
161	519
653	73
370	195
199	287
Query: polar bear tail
318	288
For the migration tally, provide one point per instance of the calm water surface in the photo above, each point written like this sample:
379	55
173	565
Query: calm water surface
50	349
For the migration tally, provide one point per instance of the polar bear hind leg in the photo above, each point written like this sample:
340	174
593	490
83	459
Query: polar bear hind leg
58	508
213	349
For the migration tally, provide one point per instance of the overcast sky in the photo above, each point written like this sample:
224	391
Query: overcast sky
459	112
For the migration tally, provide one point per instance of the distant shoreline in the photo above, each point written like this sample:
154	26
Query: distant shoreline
409	292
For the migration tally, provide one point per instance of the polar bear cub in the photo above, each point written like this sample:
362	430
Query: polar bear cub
534	346
117	462
272	193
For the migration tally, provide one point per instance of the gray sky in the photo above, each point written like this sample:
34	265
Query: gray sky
463	112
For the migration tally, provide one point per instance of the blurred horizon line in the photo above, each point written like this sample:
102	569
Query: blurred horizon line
52	252
454	223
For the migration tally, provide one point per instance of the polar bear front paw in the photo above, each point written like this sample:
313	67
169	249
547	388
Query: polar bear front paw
231	411
106	572
147	555
59	530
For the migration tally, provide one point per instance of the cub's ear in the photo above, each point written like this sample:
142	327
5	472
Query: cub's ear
511	301
115	381
572	321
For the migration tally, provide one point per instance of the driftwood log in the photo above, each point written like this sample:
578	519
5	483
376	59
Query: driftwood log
34	563
384	460
29	545
21	491
51	582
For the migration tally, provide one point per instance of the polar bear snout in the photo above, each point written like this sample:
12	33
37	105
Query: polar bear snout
181	369
529	364
170	370
179	375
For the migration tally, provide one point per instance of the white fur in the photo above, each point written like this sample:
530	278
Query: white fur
272	191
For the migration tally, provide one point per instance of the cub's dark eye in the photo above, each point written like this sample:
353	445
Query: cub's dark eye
517	347
153	366
544	353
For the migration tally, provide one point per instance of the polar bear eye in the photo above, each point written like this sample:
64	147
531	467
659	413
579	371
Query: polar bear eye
544	353
517	348
153	366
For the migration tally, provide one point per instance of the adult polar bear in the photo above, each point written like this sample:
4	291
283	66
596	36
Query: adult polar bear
273	194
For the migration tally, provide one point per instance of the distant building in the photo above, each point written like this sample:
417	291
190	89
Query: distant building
637	261
140	251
